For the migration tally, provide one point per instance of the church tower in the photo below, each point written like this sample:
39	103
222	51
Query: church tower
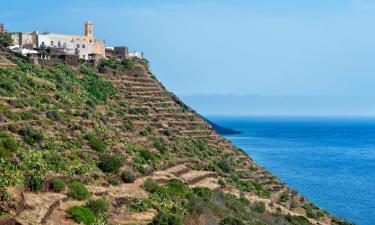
89	29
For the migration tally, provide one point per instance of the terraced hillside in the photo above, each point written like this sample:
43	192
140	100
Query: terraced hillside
115	147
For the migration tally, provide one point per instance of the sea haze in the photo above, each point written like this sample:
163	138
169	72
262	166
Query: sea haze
329	160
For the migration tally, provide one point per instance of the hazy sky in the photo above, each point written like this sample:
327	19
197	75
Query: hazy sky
323	48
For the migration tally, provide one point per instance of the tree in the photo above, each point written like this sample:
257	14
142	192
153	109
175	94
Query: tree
5	40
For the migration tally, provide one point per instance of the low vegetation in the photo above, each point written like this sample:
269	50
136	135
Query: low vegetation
82	215
57	185
78	191
65	129
128	177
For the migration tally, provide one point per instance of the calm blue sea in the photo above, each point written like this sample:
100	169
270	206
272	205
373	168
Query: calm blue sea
331	161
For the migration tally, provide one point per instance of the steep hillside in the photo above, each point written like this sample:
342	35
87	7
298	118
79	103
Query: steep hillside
115	147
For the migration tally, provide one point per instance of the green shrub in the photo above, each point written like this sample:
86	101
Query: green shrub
140	205
258	207
196	205
127	63
98	206
8	142
5	153
57	185
309	211
99	88
159	145
5	215
78	191
27	116
238	205
176	187
141	111
203	193
54	115
167	133
5	40
127	125
110	163
147	155
284	197
221	182
4	197
150	186
97	144
85	115
34	181
225	166
114	181
91	103
31	135
167	219
297	220
12	128
128	177
111	63
231	221
56	162
82	215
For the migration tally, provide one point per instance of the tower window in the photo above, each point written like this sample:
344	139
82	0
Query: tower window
59	44
83	46
78	46
51	43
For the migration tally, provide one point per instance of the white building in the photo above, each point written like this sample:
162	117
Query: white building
23	51
136	54
70	44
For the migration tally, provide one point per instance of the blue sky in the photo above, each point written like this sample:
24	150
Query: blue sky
286	49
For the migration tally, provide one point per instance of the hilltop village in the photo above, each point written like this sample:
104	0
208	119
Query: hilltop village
53	48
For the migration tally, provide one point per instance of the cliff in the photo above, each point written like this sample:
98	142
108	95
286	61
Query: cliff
116	147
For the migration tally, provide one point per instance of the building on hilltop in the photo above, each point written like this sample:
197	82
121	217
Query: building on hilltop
136	54
85	46
26	40
122	52
82	46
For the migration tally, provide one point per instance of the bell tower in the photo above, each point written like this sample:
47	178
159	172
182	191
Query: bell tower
89	29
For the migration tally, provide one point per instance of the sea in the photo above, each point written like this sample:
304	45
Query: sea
329	160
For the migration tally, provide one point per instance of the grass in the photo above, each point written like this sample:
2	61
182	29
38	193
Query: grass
57	185
78	191
98	206
81	215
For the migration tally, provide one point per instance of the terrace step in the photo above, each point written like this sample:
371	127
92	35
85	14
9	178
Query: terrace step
20	123
194	176
148	88
8	65
210	183
41	206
